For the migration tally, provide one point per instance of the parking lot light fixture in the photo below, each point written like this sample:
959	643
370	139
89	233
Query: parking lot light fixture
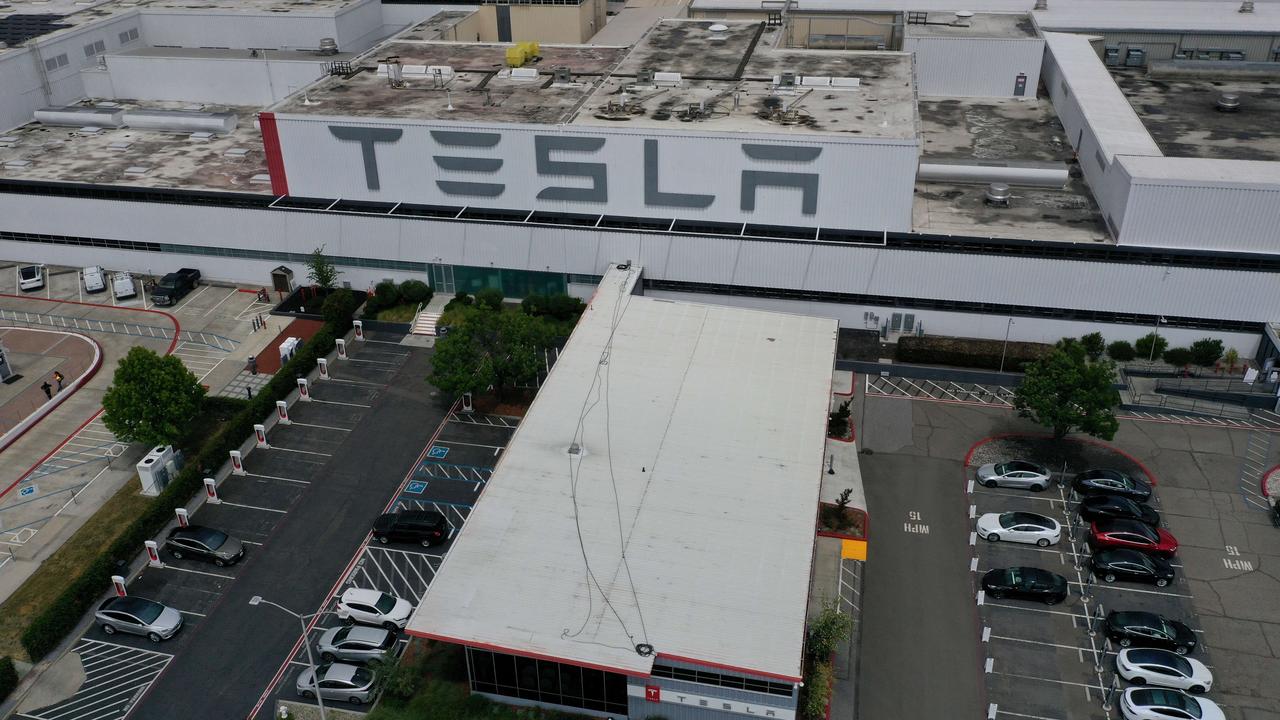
306	642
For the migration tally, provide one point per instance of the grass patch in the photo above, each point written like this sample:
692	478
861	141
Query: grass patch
66	564
399	313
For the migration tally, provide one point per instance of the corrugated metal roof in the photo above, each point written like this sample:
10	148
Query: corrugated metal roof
1248	174
703	433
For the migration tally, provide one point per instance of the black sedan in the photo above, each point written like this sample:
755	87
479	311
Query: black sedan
1106	507
1144	629
1027	583
1106	481
204	543
1126	564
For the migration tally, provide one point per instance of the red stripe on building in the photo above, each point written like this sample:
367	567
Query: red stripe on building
275	160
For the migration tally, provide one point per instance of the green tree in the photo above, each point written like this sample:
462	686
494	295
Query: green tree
1066	392
321	270
1144	346
828	630
151	398
339	307
1179	357
1121	351
491	348
1206	351
1094	345
491	298
415	291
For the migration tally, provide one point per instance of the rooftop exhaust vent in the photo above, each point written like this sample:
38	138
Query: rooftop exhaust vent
998	195
328	46
1228	102
1246	6
718	32
562	75
668	79
963	17
1041	5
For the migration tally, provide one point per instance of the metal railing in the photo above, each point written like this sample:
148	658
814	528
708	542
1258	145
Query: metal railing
1204	407
1216	384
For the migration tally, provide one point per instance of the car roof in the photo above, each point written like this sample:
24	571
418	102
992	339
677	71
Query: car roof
1122	555
419	517
131	604
365	633
1023	516
1154	656
1136	617
1108	499
337	671
1167	698
362	595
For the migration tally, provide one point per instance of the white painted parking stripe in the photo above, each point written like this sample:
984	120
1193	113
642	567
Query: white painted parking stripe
334	402
322	427
1131	589
456	442
1046	644
295	450
231	294
375	362
1029	608
277	477
189	612
198	572
1050	680
1024	715
356	382
255	507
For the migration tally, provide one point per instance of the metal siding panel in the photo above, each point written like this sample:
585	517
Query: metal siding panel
496	245
702	259
546	249
837	266
1203	217
974	67
581	252
772	264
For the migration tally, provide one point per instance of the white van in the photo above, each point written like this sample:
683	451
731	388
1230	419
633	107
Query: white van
31	277
122	285
95	279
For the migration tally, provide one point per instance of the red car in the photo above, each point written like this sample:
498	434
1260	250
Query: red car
1133	534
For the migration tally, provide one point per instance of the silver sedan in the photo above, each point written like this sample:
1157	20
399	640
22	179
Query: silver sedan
1021	527
356	643
337	681
1015	474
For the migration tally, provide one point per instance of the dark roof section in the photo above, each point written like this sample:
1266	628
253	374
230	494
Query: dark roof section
17	29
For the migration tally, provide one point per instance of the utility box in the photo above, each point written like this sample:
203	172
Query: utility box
156	469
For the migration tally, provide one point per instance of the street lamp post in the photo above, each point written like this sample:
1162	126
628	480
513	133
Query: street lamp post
1005	349
302	620
1151	357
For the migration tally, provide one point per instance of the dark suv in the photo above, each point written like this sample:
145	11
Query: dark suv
173	287
419	526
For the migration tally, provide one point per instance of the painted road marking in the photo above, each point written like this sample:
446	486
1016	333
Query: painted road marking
415	487
277	477
255	507
438	452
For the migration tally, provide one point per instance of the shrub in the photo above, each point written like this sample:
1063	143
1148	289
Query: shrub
413	292
460	299
829	629
339	307
816	692
1145	344
968	352
565	307
1178	357
491	298
535	305
1206	351
1094	345
1231	358
8	677
1121	351
385	294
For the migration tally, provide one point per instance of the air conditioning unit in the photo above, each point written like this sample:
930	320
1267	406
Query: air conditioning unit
644	77
563	76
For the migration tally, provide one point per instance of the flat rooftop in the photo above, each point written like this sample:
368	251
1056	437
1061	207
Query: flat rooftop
715	490
1022	131
230	54
134	157
1183	119
1005	26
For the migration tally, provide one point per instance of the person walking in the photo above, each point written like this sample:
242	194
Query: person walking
48	389
58	378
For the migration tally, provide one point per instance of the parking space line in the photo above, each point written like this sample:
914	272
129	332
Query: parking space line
322	427
335	402
383	342
277	477
375	362
189	612
1129	589
197	572
1088	686
356	382
1023	715
401	551
457	442
233	292
295	450
1036	609
255	507
1077	648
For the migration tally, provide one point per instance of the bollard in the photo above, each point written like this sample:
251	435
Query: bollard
324	369
304	392
118	582
183	520
282	410
237	463
153	554
260	432
211	492
342	348
359	326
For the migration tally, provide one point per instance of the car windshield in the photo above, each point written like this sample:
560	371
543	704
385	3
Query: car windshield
385	604
1009	519
210	538
341	634
362	677
29	273
1160	657
1170	699
146	611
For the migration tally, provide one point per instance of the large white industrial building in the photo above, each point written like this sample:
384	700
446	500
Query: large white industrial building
829	158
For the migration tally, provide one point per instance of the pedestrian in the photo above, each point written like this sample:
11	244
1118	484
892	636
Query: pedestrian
58	378
48	389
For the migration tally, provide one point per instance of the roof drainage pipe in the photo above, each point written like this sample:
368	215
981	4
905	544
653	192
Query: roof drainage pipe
1022	174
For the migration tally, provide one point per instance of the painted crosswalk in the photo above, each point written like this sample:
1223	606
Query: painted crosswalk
200	359
115	676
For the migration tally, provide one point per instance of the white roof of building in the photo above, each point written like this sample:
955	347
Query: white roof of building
1202	172
1118	129
703	431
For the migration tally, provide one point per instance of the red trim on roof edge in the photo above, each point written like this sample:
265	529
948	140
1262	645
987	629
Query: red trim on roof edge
523	653
734	668
275	159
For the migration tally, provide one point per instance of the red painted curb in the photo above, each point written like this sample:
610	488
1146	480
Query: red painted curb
177	326
853	384
1142	466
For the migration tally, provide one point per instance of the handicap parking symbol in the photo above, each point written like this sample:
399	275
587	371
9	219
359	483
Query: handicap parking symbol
438	452
416	487
28	490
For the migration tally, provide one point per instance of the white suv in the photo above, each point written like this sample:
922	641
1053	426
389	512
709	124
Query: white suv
374	607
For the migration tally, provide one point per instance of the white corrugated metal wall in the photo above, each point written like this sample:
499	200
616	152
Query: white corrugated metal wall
974	67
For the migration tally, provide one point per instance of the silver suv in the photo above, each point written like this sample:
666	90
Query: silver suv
138	616
356	643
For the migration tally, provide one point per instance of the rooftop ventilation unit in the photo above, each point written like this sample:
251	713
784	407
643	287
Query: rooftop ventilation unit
963	18
668	79
328	46
441	75
182	121
718	32
201	136
260	179
16	164
137	170
1246	6
787	79
8	140
1228	102
524	74
90	130
395	72
562	75
644	77
79	116
998	195
236	153
120	146
1041	5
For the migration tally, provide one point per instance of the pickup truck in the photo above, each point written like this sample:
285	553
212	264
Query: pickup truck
173	287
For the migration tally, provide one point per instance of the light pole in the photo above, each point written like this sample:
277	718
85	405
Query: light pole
302	620
1005	349
1151	357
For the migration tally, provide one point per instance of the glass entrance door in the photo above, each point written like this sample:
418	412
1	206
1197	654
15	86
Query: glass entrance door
442	279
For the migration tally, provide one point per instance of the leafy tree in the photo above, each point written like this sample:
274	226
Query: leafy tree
1179	357
321	270
491	298
338	308
1065	392
1144	344
151	398
1206	351
1094	345
491	348
831	628
1121	351
415	291
565	307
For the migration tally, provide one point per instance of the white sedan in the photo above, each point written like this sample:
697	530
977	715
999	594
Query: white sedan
372	607
1142	703
1022	527
1149	666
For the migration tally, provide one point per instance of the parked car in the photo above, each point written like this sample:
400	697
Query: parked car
1102	507
1026	583
372	607
203	543
1111	482
31	277
1146	629
337	681
1126	564
1148	666
94	278
138	616
122	286
1131	534
425	527
1015	474
1156	704
1020	527
173	287
356	643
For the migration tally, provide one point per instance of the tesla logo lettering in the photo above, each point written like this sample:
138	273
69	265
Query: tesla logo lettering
653	693
464	154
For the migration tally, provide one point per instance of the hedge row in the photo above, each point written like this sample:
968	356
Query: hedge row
969	352
8	677
63	613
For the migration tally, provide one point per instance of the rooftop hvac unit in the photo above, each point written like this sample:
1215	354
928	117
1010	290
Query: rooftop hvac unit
1228	102
183	121
76	116
644	77
787	79
524	74
668	79
562	76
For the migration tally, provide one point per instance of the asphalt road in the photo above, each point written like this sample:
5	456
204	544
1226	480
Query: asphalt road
233	653
919	621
